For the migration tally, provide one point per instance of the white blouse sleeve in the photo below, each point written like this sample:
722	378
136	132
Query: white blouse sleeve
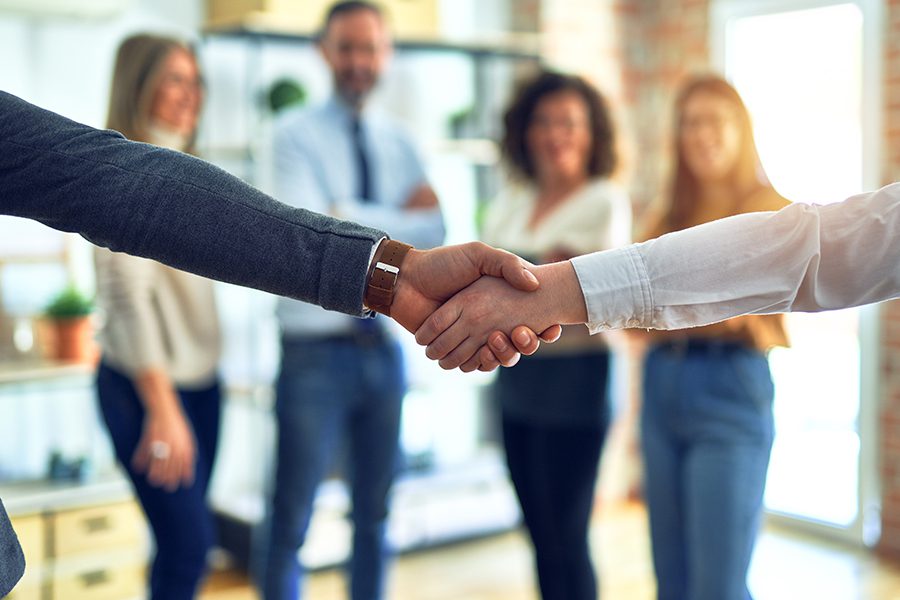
804	258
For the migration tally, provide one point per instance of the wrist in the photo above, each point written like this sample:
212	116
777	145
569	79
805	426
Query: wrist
559	297
384	275
164	407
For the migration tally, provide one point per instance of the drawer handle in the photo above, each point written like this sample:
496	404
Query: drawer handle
94	578
95	524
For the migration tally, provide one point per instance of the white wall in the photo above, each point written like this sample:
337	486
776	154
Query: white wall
65	63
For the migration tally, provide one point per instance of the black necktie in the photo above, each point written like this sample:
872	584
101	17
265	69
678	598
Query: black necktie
364	180
368	330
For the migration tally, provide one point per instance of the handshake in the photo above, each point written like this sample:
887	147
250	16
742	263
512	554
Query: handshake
476	307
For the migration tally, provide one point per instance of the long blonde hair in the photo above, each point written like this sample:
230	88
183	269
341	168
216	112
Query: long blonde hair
136	76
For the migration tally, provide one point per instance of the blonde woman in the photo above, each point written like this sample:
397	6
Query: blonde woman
157	381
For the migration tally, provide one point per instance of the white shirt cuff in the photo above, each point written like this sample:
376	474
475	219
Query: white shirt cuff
366	312
616	289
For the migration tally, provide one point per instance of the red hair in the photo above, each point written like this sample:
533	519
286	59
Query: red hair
746	178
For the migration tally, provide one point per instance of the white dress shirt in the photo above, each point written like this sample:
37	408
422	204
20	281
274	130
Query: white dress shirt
803	258
316	169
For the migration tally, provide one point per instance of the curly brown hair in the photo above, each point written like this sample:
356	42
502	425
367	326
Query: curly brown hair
514	146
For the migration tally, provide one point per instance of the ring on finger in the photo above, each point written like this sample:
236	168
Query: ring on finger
160	450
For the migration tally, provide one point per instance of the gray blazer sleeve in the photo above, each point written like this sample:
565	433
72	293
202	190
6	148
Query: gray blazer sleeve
176	209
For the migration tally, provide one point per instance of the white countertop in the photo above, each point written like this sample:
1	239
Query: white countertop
33	497
24	371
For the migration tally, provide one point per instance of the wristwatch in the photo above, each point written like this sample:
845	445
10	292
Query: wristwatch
384	274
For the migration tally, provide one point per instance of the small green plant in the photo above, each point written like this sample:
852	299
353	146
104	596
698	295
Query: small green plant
68	304
461	121
285	93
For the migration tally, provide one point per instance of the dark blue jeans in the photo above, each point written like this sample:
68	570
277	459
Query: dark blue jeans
707	432
182	525
334	394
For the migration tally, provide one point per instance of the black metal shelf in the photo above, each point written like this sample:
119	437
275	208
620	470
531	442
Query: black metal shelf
514	46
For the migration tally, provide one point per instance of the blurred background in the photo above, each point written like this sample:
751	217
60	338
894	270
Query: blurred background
821	79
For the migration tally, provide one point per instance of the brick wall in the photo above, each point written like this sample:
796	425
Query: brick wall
890	314
891	167
666	42
637	52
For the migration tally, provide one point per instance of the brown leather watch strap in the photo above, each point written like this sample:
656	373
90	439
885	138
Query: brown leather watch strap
383	275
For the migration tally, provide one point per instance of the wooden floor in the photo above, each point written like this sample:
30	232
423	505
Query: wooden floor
787	566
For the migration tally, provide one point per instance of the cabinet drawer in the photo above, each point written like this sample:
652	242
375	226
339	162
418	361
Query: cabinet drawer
99	528
100	582
31	532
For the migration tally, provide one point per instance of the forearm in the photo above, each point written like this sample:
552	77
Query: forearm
802	258
157	392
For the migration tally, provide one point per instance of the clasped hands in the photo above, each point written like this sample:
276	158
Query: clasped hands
476	307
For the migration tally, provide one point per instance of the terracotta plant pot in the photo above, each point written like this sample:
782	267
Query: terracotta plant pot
72	340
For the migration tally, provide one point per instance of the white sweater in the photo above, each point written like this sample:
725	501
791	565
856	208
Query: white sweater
157	317
596	217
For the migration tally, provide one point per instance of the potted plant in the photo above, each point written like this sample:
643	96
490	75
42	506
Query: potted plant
71	330
285	93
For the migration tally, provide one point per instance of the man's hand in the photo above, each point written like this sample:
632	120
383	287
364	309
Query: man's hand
428	278
456	332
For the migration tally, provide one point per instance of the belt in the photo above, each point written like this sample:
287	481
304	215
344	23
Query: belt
700	346
367	338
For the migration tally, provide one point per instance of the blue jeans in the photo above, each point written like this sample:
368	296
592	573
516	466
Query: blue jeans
182	524
707	431
334	393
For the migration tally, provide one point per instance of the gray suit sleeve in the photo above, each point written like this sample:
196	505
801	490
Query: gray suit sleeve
176	209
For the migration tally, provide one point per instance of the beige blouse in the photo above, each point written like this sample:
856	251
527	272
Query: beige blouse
157	317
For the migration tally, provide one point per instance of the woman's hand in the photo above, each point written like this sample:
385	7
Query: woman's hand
506	350
167	450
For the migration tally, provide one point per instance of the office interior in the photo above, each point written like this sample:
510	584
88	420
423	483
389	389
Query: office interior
821	79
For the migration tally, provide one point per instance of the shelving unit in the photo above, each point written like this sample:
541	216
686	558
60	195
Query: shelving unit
520	51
